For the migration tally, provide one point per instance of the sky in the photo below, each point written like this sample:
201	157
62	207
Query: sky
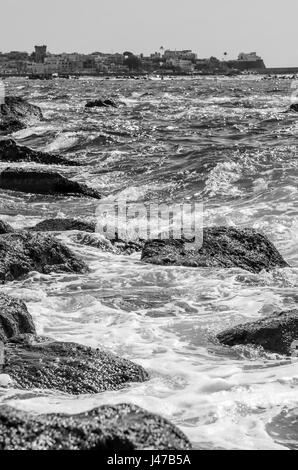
208	27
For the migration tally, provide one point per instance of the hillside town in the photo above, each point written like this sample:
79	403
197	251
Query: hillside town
42	63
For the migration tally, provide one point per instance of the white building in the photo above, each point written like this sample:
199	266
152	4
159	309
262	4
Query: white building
185	65
249	57
183	55
37	69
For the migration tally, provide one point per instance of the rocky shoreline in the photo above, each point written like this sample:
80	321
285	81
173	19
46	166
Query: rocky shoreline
31	361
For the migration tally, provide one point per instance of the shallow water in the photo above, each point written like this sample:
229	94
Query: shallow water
224	141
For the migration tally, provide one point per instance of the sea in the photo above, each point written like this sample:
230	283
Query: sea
224	141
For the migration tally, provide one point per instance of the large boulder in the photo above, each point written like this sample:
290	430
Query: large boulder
16	107
223	247
122	427
39	362
16	114
14	318
22	252
100	104
62	225
11	152
9	126
43	182
283	428
277	333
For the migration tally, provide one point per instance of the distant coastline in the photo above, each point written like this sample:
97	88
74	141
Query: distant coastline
138	75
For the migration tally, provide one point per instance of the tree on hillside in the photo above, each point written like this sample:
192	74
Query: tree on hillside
133	62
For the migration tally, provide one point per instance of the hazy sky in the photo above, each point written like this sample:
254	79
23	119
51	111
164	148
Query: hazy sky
209	27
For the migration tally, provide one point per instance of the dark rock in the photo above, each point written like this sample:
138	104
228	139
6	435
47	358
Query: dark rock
275	333
16	113
101	104
11	152
43	182
5	228
9	126
122	427
294	107
15	107
61	225
96	240
110	103
223	247
283	428
38	362
14	318
23	252
91	238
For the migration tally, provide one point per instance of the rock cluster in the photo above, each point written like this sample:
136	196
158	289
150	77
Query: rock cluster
32	361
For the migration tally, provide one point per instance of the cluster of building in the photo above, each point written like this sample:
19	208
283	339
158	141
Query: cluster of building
41	62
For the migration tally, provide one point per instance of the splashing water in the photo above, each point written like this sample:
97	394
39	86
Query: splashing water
224	140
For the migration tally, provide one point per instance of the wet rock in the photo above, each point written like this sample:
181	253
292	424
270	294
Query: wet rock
5	228
223	247
107	428
283	428
39	362
16	107
110	103
16	114
100	104
97	240
294	107
128	247
9	126
11	152
88	235
43	182
14	318
23	252
276	333
62	225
